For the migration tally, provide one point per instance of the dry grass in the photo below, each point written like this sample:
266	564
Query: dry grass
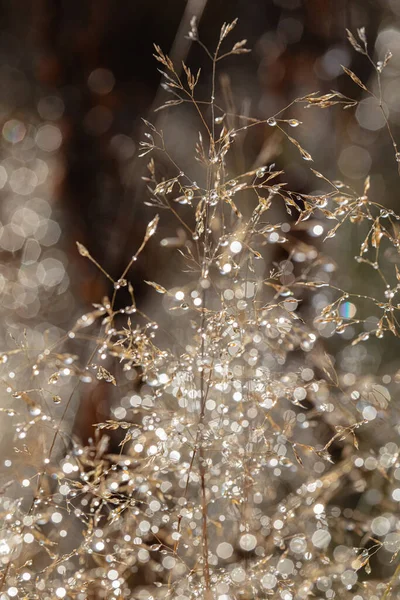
248	463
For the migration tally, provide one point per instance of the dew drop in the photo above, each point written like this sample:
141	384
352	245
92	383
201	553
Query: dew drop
120	283
261	172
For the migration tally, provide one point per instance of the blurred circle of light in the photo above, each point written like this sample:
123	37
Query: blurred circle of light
292	29
48	232
39	205
50	272
347	310
101	81
98	120
392	97
23	181
10	239
123	146
389	38
32	252
371	323
355	162
14	131
26	221
48	138
329	66
50	108
368	115
41	169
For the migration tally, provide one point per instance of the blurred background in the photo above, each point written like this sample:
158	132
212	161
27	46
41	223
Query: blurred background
77	77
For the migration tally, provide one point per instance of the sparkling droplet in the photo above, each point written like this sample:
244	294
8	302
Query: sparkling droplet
235	247
261	172
213	198
120	283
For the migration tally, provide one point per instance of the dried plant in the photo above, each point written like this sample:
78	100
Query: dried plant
245	466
